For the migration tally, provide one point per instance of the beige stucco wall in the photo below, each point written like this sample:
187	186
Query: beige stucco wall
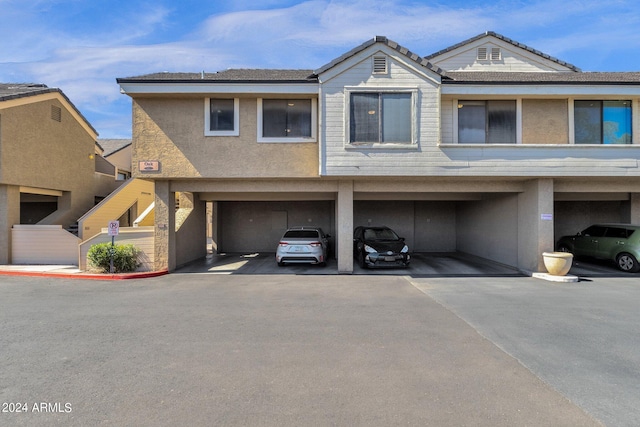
545	121
191	239
171	130
9	215
40	152
489	228
121	159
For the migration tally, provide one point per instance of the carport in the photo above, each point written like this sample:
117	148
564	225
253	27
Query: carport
501	221
510	221
490	219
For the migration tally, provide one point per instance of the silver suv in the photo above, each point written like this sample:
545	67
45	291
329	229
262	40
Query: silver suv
303	245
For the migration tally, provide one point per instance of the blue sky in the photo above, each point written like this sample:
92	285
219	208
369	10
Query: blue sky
82	46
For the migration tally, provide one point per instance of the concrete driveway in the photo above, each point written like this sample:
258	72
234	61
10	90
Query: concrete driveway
289	350
580	338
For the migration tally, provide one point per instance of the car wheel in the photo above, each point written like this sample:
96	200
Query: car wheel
281	264
627	262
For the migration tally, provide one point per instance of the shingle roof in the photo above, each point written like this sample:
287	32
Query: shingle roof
9	91
241	75
111	146
20	90
281	76
390	43
508	40
592	78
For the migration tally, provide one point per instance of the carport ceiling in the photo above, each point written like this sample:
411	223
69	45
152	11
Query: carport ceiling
416	196
263	197
570	197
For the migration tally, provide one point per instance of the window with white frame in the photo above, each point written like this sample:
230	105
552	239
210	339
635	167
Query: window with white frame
487	122
602	122
221	117
380	117
287	120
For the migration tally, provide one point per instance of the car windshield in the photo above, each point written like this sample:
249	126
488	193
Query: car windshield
301	234
380	234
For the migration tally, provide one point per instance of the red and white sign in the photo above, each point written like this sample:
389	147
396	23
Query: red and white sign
114	228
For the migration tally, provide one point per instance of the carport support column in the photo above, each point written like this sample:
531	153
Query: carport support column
344	227
635	208
165	227
9	215
535	224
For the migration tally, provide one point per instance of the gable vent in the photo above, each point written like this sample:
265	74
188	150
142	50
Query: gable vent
496	55
56	113
379	65
482	54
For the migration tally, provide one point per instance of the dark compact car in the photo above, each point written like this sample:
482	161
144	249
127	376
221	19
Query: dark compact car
379	247
617	242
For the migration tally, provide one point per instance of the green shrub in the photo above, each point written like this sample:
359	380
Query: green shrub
125	257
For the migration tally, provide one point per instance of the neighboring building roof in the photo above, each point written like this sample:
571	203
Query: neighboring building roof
9	91
112	146
381	39
20	90
507	40
242	75
591	78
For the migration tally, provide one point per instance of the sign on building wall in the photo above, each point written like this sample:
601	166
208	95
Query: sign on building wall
149	166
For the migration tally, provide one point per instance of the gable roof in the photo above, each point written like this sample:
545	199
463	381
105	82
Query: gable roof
422	62
10	91
507	40
112	146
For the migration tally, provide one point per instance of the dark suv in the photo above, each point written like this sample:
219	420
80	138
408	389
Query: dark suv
617	242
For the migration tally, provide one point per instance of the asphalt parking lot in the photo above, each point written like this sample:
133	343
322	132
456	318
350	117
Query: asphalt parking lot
245	350
456	341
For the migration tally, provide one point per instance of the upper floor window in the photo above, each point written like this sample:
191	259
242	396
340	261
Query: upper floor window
221	117
380	117
602	122
487	122
287	120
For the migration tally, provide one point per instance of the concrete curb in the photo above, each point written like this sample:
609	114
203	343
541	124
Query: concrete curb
86	276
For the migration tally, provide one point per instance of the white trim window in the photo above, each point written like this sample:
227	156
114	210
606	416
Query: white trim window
287	120
487	122
381	117
221	117
602	122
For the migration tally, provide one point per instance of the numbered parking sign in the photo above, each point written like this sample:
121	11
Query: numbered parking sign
114	228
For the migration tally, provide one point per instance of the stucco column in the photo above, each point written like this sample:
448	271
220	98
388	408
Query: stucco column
215	226
535	224
9	215
165	227
344	227
635	208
